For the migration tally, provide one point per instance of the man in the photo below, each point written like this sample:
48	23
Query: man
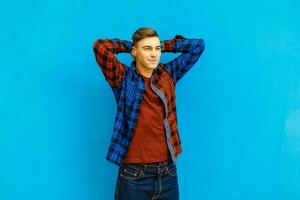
145	142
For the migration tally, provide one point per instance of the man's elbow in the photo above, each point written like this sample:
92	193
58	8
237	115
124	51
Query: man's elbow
201	44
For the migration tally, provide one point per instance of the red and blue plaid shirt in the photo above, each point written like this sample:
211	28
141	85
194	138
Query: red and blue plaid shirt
128	87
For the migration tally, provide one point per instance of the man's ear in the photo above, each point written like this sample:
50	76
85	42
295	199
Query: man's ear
133	52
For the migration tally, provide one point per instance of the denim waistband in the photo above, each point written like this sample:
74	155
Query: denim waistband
151	167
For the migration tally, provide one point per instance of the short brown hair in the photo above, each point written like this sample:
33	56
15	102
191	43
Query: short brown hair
142	33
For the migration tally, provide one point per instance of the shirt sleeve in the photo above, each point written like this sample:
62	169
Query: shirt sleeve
190	49
112	68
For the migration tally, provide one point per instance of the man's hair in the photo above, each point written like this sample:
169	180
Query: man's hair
142	33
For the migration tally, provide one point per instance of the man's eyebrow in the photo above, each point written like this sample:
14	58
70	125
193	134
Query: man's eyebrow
150	46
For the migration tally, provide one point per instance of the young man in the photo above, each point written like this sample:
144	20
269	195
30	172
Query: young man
145	142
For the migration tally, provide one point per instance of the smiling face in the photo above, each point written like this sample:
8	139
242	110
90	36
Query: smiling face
147	54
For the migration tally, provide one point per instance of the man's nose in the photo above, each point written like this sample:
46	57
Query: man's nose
154	52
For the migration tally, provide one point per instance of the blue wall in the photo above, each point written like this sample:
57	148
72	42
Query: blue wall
241	140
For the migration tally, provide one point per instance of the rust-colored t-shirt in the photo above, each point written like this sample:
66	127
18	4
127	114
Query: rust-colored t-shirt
149	142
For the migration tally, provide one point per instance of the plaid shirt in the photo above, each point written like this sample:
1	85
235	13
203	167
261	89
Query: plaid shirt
128	87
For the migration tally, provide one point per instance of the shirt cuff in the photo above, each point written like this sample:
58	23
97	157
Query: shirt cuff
168	45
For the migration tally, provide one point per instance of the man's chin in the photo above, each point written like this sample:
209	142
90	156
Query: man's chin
153	66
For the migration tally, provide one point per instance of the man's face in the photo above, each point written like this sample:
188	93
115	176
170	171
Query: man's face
147	53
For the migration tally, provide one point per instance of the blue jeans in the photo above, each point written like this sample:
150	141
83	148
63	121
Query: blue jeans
147	182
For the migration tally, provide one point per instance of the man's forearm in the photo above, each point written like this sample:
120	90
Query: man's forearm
181	44
114	45
105	50
190	49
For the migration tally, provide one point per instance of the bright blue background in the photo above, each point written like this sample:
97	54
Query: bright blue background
241	139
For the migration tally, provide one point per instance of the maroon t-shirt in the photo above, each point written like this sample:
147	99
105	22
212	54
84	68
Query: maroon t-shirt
149	142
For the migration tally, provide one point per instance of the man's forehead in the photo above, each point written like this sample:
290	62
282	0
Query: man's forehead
150	41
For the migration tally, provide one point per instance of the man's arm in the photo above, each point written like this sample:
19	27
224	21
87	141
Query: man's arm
191	50
111	67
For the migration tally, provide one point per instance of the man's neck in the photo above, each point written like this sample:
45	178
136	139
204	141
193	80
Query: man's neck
144	71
